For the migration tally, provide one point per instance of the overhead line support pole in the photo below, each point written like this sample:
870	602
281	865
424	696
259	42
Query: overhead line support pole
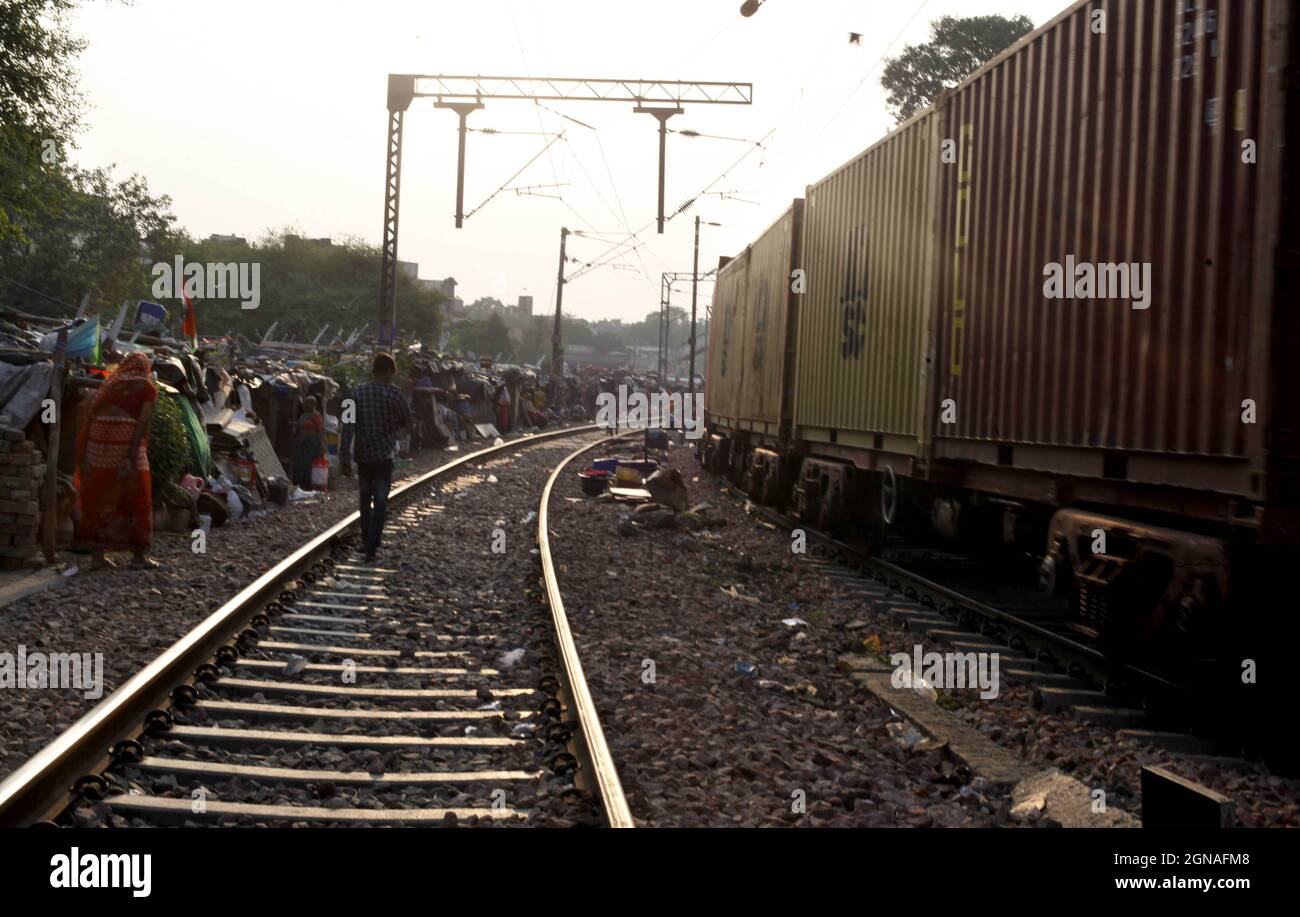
463	109
662	115
557	346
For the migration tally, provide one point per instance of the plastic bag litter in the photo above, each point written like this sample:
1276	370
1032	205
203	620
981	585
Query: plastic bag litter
498	442
794	622
905	734
492	479
512	658
235	504
532	515
907	679
295	665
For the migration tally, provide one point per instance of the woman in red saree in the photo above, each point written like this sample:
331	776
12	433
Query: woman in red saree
113	478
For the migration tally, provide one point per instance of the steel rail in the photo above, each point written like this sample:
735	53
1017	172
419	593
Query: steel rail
596	763
1090	659
41	787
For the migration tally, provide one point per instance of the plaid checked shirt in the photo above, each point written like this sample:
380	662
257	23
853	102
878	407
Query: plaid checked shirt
381	410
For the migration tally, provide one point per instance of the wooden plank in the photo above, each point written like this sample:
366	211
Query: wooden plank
1170	802
355	778
201	734
183	809
294	687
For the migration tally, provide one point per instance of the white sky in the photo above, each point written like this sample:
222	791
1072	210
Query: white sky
263	114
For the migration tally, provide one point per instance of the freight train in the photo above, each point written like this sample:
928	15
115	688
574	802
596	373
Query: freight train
1058	312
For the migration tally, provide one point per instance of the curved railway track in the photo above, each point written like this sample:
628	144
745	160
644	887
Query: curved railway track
334	692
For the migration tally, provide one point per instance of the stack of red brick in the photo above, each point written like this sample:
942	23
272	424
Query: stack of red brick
22	469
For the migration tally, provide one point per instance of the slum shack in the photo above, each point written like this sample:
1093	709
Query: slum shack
212	458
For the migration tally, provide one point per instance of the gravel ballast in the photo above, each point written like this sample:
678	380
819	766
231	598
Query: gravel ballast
668	623
131	616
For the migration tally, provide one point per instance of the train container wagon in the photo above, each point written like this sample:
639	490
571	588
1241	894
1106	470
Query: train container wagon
751	349
861	380
1117	303
1057	312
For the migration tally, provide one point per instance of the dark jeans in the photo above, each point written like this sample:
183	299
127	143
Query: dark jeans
373	480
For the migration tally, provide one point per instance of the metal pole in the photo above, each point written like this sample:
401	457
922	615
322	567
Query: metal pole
463	109
662	114
557	350
695	289
401	90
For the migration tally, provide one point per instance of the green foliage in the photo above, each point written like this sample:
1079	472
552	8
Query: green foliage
306	286
957	48
488	337
88	237
169	449
39	105
347	374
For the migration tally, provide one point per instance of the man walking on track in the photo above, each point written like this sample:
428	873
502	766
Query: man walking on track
380	411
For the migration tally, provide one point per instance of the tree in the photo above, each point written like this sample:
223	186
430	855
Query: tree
307	285
957	48
487	337
40	107
536	340
92	235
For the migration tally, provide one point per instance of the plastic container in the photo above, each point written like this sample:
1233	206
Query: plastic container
594	482
320	475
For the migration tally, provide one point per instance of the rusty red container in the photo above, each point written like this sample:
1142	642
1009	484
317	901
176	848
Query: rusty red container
1155	133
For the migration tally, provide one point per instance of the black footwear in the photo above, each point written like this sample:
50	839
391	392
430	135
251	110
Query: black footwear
370	557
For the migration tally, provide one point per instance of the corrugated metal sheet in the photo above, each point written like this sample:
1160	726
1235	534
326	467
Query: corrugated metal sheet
764	310
863	323
750	309
726	366
1115	145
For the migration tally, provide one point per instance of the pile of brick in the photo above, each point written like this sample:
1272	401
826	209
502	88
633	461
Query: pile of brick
22	471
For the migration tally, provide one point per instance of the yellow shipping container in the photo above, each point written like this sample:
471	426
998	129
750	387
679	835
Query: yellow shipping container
750	328
863	340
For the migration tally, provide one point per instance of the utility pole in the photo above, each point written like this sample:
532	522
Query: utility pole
661	115
557	349
695	291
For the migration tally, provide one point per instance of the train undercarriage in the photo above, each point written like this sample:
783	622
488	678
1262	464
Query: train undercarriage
1137	585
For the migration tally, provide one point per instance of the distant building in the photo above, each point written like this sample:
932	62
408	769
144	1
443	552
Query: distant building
526	306
229	240
323	243
452	306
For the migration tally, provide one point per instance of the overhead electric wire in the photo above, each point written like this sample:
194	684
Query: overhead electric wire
513	177
24	286
921	7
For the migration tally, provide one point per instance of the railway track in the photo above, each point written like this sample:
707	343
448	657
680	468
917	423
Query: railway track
335	692
1069	670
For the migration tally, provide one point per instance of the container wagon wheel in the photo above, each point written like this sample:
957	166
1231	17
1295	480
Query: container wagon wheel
889	495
